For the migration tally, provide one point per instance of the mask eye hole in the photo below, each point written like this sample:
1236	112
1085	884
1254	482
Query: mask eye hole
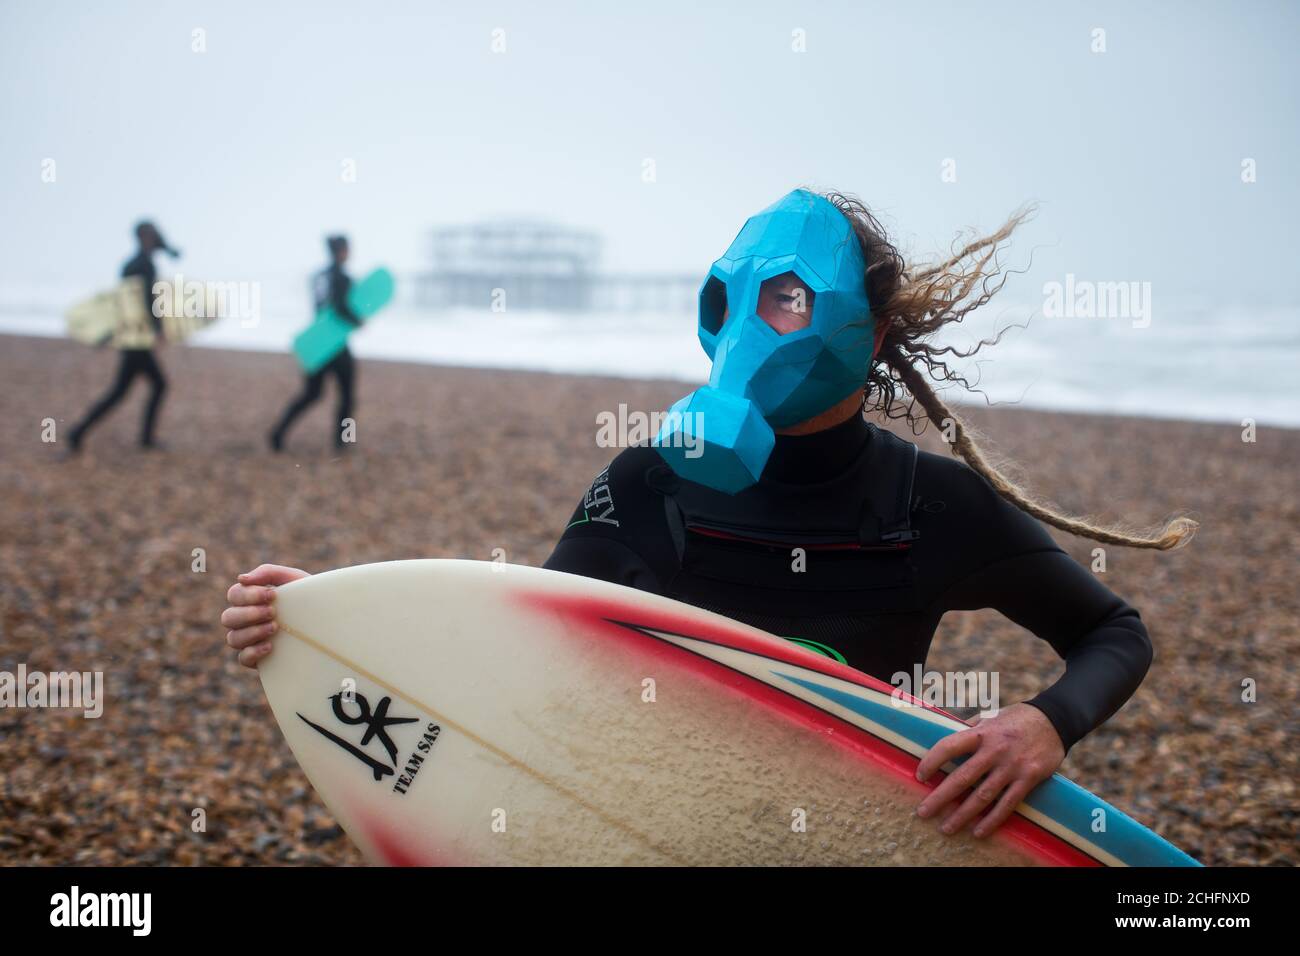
713	305
785	303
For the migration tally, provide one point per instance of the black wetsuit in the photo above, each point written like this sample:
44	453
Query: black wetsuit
133	362
332	287
884	562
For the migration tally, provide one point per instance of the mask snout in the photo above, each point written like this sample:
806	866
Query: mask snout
716	438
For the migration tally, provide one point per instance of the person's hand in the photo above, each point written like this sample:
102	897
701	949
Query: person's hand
1010	754
251	615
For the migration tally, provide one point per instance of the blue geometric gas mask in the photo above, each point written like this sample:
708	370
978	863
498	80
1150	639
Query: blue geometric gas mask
721	435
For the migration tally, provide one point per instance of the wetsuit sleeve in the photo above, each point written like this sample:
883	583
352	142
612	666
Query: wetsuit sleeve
340	286
1101	638
618	532
1022	573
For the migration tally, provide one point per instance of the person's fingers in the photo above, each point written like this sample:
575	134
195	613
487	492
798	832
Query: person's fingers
245	636
1012	797
271	574
954	745
261	574
984	755
252	656
251	615
955	784
244	595
984	795
244	616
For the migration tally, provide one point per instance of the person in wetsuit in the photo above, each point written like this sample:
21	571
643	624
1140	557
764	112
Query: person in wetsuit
331	287
871	598
833	531
136	359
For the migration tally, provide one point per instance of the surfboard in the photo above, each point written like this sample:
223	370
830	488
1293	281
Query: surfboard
476	713
95	321
118	316
327	336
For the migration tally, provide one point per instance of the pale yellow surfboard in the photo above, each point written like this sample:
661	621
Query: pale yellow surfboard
117	316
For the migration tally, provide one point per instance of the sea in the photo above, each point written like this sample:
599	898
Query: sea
1190	360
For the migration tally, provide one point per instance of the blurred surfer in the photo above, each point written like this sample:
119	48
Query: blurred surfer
136	358
331	288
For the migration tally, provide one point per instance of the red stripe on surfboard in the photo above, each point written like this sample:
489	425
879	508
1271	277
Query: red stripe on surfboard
603	615
599	611
393	849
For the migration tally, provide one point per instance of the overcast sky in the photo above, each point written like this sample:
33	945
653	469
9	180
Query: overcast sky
1135	154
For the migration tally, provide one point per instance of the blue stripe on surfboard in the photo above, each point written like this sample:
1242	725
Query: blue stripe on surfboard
1063	801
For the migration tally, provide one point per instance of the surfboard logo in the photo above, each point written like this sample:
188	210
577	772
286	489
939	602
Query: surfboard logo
376	725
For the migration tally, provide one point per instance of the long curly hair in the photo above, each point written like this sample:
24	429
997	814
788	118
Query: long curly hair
918	301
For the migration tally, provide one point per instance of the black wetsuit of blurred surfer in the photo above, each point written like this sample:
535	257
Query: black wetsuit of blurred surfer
331	288
136	360
846	539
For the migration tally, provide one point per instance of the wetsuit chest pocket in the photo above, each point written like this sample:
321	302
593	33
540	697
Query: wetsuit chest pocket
841	572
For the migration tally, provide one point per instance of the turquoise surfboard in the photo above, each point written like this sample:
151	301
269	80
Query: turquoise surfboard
325	338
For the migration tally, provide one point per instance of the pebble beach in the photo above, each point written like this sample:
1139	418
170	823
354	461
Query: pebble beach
118	560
